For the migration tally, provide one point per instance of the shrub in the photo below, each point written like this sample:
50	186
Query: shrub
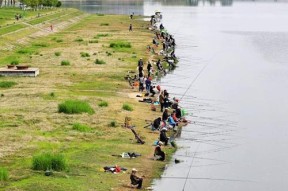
100	14
93	41
7	84
49	161
81	127
59	40
65	63
57	53
24	51
127	107
14	62
97	61
104	24
79	40
84	54
120	44
52	94
103	104
3	174
75	107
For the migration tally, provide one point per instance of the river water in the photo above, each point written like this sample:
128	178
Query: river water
232	79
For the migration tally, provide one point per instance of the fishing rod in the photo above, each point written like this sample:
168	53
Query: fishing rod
204	178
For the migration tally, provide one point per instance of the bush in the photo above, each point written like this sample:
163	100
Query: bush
103	104
65	63
3	174
81	127
25	51
75	107
59	4
57	53
84	54
14	62
120	44
7	84
97	61
52	94
100	14
127	107
49	161
59	40
104	24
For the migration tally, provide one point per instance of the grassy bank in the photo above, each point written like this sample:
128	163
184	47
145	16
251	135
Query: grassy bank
31	122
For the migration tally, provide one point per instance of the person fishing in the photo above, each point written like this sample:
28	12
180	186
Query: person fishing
156	123
158	153
136	180
163	137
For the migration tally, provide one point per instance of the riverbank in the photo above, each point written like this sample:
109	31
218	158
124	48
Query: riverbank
66	56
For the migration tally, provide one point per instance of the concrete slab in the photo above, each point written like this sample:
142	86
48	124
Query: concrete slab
30	72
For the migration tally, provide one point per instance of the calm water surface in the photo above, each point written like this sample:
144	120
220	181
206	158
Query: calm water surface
232	78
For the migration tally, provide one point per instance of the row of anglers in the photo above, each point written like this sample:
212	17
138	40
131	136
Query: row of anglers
172	114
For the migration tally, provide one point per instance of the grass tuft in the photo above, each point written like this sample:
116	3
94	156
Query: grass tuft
98	61
103	104
113	124
93	41
3	174
65	63
79	40
104	24
120	45
14	62
49	161
81	127
57	53
127	107
75	107
7	84
84	54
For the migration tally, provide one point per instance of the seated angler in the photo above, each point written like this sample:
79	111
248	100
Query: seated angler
158	153
171	121
135	180
156	123
163	137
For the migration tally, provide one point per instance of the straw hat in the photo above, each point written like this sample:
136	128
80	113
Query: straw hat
134	170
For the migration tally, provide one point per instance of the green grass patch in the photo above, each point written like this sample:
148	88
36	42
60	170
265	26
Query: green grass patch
81	127
25	51
59	40
75	107
3	174
98	61
127	107
7	84
57	53
11	28
103	104
49	161
84	54
104	24
100	15
65	63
